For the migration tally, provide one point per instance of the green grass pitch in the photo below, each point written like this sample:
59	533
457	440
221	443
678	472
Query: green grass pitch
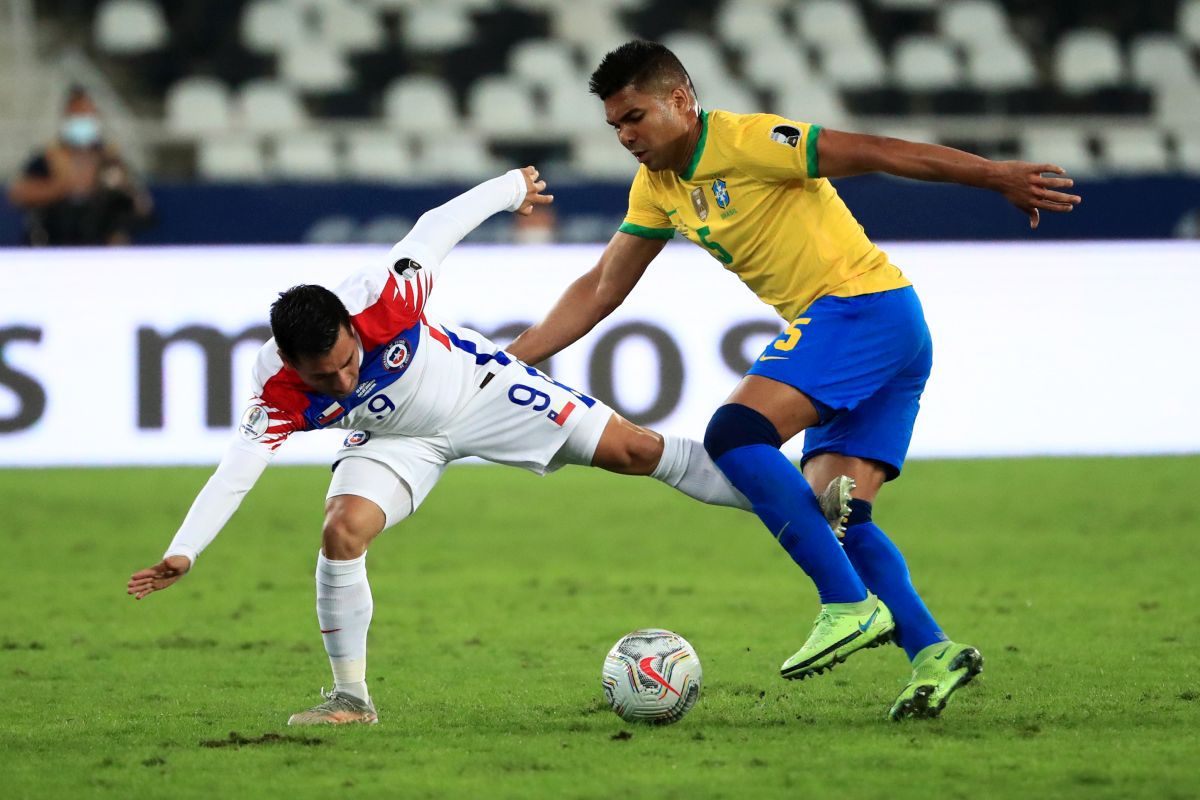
495	605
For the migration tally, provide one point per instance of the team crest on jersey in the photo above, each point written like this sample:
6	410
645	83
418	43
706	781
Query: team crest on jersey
253	424
397	355
356	438
700	203
788	135
721	192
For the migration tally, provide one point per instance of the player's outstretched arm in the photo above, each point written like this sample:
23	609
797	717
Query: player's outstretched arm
1024	184
591	298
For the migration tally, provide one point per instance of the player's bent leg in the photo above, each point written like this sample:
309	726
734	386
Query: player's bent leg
682	464
365	496
744	441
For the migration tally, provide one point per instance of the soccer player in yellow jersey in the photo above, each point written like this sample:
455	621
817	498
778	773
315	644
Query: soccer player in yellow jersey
753	190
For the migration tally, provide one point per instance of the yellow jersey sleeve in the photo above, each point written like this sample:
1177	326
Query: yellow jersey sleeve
776	149
645	217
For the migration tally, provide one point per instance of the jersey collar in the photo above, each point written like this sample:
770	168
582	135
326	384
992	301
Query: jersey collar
691	167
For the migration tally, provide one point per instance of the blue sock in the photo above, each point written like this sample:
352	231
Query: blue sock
885	572
783	500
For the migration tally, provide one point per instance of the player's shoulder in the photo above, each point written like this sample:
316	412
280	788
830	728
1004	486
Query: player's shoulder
748	132
364	288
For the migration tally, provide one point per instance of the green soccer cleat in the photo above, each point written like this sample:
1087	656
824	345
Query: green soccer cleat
339	708
936	676
836	635
835	503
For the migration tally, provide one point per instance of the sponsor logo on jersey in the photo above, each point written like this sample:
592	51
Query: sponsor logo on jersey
356	438
788	135
700	203
721	192
254	423
396	355
330	414
364	389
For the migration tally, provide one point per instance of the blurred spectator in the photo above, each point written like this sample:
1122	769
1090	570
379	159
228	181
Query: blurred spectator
536	228
79	191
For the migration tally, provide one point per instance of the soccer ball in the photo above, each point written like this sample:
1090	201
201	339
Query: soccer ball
653	676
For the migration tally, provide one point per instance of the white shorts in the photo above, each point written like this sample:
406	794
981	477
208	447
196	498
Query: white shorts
517	418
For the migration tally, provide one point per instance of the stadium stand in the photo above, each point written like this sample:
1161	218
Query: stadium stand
452	88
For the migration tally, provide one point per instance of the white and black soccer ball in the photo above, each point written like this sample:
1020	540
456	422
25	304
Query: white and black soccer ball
652	675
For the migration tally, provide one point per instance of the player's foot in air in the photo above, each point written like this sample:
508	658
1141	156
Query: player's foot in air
938	672
339	708
835	503
840	630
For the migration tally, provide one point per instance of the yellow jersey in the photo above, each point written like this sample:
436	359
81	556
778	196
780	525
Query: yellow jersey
753	198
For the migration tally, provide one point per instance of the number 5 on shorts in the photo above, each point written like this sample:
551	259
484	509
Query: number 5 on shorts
792	334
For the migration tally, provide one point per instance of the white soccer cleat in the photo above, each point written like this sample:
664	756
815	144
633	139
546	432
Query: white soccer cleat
835	503
339	708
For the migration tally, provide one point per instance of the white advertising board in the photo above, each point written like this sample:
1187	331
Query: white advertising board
142	356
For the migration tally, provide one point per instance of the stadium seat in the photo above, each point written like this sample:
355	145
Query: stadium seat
1139	150
973	22
1187	148
268	26
198	105
587	23
351	27
459	156
307	155
746	24
501	106
831	24
811	101
925	63
268	105
334	229
1066	147
701	58
857	66
544	63
314	65
420	104
1088	59
436	27
1000	65
1188	24
380	156
232	158
129	27
571	109
1159	58
908	5
780	64
1177	105
601	157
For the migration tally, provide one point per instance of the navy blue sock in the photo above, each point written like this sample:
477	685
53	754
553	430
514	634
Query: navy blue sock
785	503
885	572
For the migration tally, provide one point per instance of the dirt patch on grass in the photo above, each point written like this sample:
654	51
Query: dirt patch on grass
237	740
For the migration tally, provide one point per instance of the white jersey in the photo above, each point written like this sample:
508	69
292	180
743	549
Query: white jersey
415	375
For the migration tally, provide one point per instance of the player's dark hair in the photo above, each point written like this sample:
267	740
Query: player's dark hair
306	321
647	66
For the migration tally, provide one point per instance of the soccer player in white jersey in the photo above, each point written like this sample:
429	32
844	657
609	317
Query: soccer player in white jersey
415	395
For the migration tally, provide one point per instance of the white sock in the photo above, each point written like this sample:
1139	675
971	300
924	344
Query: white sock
344	607
685	465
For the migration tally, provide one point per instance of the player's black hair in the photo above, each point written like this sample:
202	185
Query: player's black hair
643	65
306	321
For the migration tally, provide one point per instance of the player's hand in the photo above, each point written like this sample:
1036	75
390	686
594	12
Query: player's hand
158	577
533	192
1029	188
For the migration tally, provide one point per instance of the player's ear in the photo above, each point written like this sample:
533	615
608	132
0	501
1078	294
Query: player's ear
286	361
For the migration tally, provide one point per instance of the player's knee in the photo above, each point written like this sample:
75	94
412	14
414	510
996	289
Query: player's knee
734	425
637	452
345	534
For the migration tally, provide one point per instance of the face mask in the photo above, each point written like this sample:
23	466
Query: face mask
80	130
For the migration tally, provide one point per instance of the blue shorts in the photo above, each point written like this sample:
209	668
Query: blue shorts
863	361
